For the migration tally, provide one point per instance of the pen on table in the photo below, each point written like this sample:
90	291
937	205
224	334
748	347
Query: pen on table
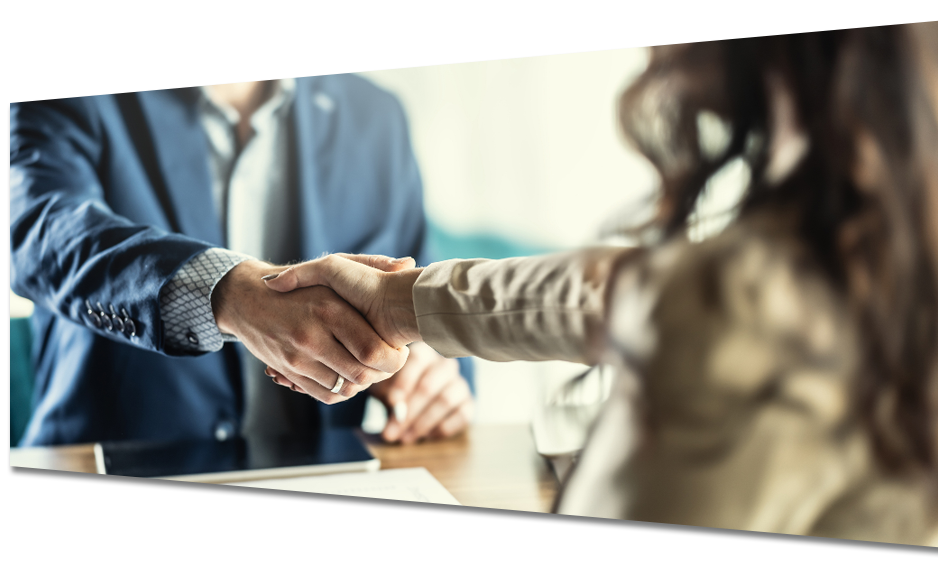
495	535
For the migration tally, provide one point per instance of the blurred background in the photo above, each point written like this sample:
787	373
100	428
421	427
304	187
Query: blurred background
518	157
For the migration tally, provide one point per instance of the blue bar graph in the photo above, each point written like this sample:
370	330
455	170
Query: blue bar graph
336	520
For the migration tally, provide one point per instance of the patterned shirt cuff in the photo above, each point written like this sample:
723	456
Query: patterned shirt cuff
186	302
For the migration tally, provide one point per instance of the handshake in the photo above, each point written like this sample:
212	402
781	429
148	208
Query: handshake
335	326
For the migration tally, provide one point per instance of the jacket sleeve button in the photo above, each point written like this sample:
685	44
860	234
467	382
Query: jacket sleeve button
130	328
92	314
105	319
118	323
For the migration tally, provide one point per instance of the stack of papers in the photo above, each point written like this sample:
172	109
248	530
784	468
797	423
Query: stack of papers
109	518
258	523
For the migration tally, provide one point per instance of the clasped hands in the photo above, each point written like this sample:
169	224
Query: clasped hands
350	316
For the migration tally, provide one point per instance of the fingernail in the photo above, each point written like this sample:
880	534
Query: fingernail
270	277
401	260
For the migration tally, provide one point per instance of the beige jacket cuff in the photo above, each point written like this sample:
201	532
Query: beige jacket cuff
539	308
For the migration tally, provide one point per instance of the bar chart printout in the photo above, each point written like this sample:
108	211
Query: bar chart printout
113	518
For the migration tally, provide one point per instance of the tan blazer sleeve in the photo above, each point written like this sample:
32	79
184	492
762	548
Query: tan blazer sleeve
535	308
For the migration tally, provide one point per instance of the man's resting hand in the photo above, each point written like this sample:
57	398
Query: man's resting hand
429	394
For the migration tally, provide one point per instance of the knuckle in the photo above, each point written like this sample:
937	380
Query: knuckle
359	376
291	359
301	340
298	335
350	390
372	354
327	311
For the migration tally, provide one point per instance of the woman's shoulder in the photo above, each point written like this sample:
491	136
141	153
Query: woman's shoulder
731	316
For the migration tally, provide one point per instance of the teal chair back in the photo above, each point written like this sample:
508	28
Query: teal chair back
21	377
445	245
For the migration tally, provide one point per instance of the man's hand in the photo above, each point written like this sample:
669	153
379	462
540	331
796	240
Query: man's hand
430	393
428	390
309	336
379	287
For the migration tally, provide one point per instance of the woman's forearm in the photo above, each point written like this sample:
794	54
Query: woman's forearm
538	308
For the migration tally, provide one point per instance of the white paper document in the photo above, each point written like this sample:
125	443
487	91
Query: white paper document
254	523
107	518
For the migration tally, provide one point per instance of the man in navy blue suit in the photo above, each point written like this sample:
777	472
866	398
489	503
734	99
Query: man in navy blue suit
142	224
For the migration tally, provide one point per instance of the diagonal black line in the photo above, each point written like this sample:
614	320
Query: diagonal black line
451	510
515	57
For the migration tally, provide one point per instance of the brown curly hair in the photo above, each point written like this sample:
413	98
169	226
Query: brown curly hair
864	190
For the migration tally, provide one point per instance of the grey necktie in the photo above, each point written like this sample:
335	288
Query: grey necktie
256	224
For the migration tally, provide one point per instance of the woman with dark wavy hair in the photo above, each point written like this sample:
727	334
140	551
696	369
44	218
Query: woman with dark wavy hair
783	374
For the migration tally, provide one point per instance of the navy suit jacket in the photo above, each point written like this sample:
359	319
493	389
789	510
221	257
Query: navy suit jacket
111	194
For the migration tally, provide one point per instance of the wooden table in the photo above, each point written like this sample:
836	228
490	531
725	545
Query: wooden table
493	466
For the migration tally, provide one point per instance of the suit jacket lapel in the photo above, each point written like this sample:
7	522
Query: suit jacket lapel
182	154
